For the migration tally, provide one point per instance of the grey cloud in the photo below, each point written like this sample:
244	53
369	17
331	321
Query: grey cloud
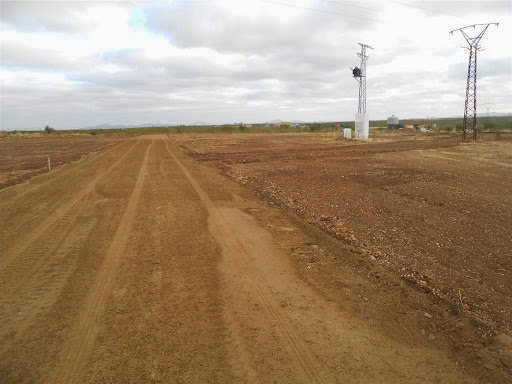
185	73
305	48
297	69
462	8
495	67
209	26
26	55
42	15
486	68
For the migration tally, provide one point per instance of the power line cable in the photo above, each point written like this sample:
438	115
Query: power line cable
318	10
341	3
425	9
351	5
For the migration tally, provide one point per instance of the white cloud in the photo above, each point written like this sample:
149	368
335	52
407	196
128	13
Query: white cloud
72	64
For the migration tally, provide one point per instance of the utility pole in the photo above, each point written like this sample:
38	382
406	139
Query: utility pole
469	126
361	122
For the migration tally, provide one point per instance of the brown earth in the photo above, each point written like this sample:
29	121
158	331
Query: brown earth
139	264
24	156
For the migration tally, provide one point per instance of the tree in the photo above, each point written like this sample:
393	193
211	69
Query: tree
48	129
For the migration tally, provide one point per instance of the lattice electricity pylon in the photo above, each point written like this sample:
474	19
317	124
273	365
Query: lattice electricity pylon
469	125
360	75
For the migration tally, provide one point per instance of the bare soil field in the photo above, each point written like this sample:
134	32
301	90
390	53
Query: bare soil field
428	208
24	156
140	264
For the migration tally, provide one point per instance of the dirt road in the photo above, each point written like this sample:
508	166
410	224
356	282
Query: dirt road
142	265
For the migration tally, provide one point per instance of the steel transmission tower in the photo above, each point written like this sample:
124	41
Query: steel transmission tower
361	77
469	126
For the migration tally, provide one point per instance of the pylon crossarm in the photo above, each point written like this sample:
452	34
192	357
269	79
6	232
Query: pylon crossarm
473	26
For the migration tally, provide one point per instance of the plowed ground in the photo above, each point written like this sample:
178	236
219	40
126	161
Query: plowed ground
139	264
22	157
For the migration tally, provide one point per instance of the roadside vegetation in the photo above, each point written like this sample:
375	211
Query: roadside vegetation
442	125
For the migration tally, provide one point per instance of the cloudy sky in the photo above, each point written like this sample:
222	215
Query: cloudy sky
75	64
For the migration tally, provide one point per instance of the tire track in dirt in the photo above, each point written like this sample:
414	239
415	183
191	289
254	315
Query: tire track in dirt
79	344
33	281
163	321
310	368
307	361
28	241
37	193
38	254
25	300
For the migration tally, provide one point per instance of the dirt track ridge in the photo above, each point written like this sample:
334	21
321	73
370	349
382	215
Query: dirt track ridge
46	278
81	341
60	213
220	228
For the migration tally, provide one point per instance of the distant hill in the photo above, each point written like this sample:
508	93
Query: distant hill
108	126
120	126
200	123
279	120
273	121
